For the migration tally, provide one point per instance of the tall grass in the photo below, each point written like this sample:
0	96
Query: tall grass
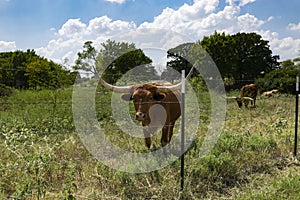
42	156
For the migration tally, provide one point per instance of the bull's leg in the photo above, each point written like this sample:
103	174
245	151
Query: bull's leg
246	103
147	137
170	131
164	138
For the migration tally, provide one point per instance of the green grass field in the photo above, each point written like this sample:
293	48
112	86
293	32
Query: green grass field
42	156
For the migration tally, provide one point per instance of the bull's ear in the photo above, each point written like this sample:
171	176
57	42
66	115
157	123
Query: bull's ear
126	97
159	96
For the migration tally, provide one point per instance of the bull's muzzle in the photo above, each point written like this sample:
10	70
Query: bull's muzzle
140	116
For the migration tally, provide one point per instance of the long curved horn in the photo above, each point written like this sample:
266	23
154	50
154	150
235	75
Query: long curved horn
230	97
169	87
177	86
126	89
118	89
248	98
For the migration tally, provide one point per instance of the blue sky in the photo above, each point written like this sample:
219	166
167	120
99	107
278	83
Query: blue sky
36	18
57	29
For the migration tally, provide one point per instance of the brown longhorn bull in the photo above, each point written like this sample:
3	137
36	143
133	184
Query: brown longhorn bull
247	93
144	96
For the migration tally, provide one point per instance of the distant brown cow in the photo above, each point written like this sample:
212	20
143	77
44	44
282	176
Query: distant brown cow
247	93
144	96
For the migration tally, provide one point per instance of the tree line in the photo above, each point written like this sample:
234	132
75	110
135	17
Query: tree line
27	70
241	58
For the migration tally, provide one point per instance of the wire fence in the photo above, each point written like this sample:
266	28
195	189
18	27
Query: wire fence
125	106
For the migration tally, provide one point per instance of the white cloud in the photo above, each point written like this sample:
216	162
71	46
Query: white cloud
72	28
249	22
239	2
72	35
116	1
194	21
7	46
245	2
270	18
221	20
185	16
201	19
294	27
153	38
286	48
105	25
198	23
59	49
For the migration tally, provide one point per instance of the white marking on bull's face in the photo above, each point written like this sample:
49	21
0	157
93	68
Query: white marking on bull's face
142	100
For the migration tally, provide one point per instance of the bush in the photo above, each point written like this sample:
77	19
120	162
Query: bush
5	90
282	79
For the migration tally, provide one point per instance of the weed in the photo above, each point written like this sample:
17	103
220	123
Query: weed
43	157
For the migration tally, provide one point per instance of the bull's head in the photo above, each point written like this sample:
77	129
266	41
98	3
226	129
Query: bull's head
143	97
240	100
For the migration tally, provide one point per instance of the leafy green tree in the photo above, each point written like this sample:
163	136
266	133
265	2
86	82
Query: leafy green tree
87	59
287	63
28	70
37	73
220	48
112	61
240	57
111	51
6	70
179	61
128	61
297	61
291	62
253	57
282	79
45	74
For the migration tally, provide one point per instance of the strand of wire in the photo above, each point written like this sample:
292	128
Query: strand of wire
116	102
87	73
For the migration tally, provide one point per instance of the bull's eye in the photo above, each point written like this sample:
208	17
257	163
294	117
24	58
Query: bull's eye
137	101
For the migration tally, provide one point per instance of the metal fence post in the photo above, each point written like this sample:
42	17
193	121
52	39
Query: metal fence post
182	127
296	116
